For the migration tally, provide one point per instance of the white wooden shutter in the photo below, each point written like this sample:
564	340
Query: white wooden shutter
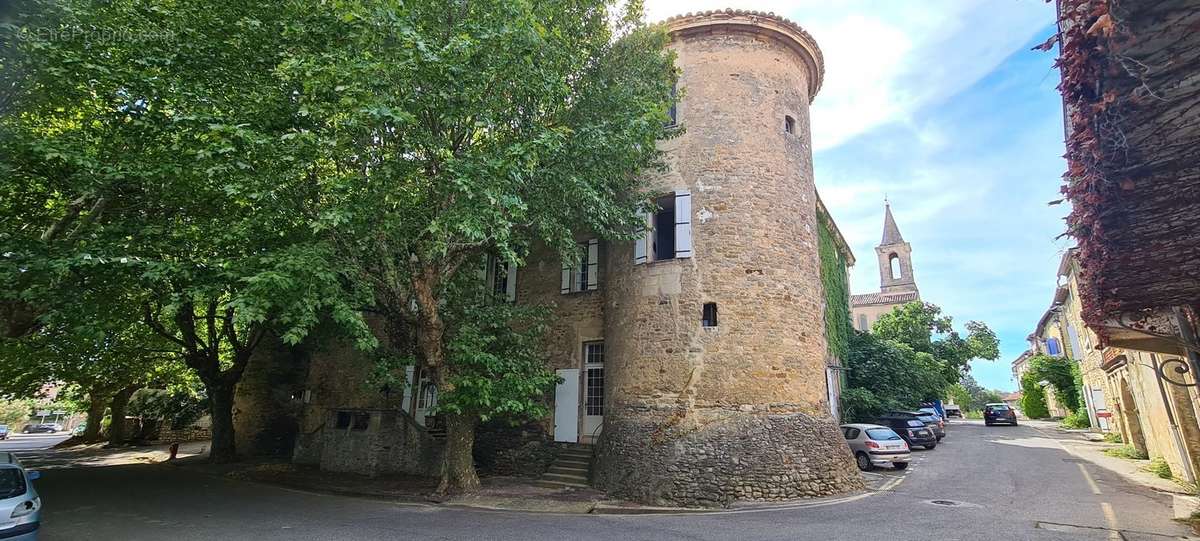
408	381
510	283
683	224
639	246
593	265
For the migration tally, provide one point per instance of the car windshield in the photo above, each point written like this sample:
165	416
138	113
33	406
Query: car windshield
930	411
12	483
882	434
915	423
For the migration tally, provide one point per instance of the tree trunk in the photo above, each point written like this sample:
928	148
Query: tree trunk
120	404
97	403
220	400
458	462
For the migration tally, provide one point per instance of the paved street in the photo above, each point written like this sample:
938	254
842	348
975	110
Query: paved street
1000	482
32	442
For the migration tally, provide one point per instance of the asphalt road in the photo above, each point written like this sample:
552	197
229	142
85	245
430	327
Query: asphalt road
998	482
32	442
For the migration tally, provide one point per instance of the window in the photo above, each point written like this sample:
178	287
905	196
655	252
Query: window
882	434
501	278
894	266
593	358
428	397
852	433
1052	347
353	420
670	230
709	317
585	274
862	322
789	124
12	483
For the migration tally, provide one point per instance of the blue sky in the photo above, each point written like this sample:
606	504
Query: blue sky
946	110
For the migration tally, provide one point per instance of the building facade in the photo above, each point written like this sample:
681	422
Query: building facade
694	361
897	284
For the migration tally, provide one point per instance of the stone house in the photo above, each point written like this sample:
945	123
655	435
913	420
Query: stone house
897	284
695	362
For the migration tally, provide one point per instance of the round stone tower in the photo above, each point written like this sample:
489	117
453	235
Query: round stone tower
716	364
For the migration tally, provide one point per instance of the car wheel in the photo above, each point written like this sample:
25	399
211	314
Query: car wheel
931	446
1014	423
987	423
899	465
863	461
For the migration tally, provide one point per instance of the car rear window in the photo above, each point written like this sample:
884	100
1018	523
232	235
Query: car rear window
916	424
998	408
882	434
12	483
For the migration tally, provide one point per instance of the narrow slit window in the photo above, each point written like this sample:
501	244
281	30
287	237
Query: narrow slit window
789	124
709	316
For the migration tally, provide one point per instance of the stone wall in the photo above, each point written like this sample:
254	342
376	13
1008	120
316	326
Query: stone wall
391	443
735	455
265	407
191	433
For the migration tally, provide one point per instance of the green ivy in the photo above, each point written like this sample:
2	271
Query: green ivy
837	292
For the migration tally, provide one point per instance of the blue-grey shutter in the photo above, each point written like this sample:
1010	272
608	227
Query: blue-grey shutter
683	224
406	405
639	246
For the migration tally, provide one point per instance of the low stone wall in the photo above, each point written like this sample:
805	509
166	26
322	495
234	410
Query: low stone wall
193	433
724	457
523	450
391	443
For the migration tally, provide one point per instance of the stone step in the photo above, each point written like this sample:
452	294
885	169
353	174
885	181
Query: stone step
568	470
575	454
573	462
556	484
564	478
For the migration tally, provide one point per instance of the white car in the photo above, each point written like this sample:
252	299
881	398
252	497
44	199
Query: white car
20	505
875	445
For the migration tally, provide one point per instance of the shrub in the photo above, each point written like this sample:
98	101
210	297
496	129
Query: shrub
1159	467
1113	437
1078	419
974	415
1126	451
1033	397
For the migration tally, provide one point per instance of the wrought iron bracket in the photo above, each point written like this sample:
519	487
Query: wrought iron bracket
1172	368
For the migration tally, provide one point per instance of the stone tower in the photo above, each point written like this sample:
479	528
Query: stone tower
733	408
895	258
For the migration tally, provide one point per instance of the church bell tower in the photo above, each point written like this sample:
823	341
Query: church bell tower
895	258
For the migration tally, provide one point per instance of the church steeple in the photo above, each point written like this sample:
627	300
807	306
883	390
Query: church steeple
895	257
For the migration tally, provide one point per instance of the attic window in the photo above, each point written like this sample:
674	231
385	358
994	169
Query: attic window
709	317
789	124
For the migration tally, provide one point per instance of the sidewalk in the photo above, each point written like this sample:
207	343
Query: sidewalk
1079	444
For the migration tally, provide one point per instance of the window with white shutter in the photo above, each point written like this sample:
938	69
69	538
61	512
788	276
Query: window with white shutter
683	224
671	234
584	275
501	278
640	252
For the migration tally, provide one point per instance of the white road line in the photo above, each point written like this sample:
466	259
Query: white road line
1111	518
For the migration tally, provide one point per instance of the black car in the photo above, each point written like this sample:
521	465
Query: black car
910	427
999	414
39	429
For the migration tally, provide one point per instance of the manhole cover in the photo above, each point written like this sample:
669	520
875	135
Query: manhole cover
947	503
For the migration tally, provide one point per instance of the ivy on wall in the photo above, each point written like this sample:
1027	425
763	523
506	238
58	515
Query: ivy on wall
837	292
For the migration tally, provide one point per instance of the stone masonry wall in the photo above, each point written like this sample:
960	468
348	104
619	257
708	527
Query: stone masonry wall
737	411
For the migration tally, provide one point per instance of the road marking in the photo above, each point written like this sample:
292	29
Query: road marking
1111	518
1088	477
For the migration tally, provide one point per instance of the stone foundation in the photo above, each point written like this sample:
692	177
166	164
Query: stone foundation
730	456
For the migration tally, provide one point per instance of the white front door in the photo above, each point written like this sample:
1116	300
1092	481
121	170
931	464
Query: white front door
566	406
833	390
593	390
426	400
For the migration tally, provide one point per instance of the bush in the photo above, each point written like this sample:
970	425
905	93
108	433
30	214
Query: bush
1113	437
1078	419
974	415
1126	451
1159	467
1033	397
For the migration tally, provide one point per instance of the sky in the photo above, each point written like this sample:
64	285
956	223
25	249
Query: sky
945	110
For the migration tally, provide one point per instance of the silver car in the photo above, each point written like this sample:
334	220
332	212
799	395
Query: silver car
20	505
875	445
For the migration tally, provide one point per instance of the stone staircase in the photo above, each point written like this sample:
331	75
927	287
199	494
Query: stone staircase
571	469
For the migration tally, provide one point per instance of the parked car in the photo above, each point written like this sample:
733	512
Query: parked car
934	422
3	432
39	429
909	427
20	505
875	445
952	411
999	413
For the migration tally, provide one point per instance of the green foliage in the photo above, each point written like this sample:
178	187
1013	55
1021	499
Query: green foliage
924	329
837	293
1077	419
973	415
1113	437
970	396
15	413
1126	451
1062	375
884	375
1158	466
1033	397
177	408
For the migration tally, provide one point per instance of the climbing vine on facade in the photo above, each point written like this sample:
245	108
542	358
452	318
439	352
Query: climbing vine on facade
837	292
